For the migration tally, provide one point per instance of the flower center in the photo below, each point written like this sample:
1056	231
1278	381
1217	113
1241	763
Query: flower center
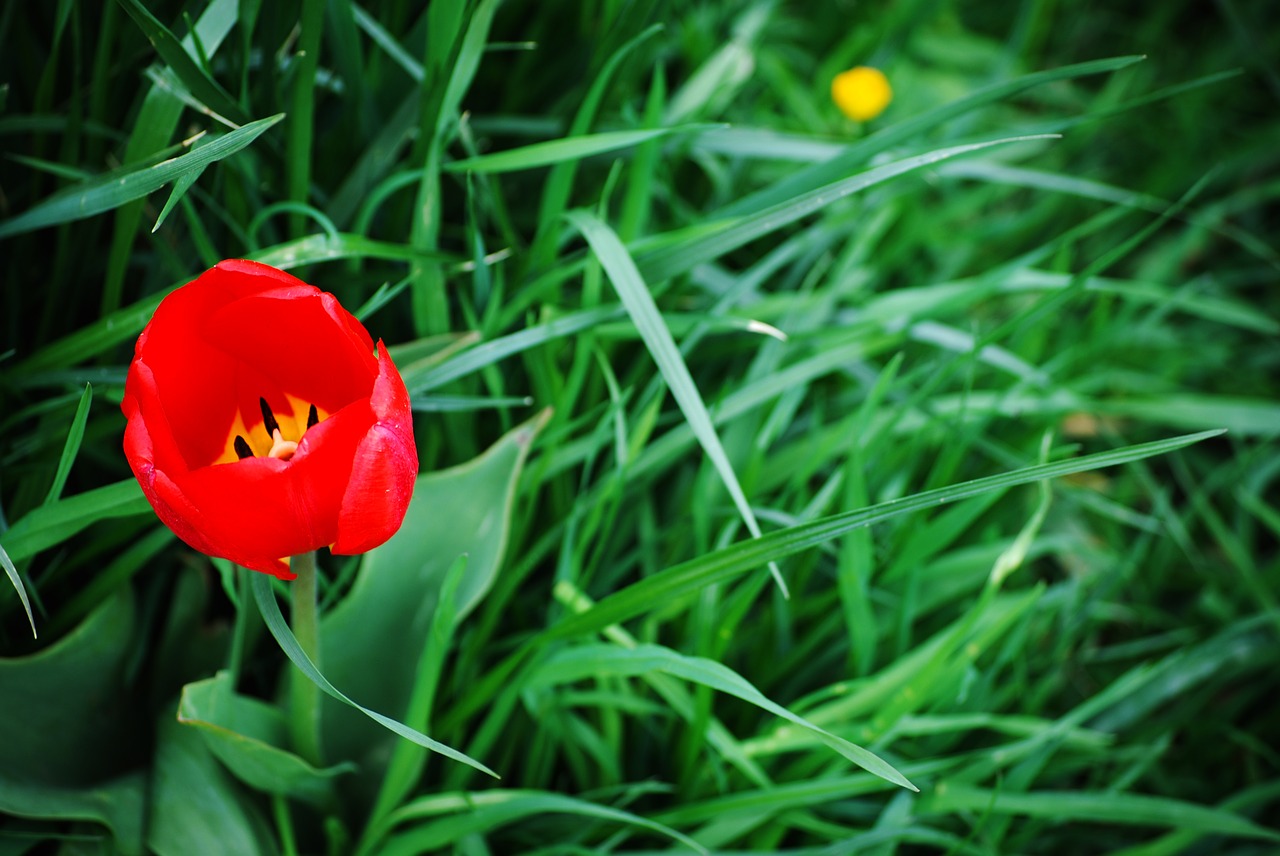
281	448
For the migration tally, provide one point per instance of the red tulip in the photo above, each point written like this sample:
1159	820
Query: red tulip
262	424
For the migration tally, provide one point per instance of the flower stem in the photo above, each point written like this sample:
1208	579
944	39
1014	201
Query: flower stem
241	629
304	696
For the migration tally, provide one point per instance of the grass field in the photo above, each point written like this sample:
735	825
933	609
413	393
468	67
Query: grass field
789	483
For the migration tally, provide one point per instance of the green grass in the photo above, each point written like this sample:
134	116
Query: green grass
789	485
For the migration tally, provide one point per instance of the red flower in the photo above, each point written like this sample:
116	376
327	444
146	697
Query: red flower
261	424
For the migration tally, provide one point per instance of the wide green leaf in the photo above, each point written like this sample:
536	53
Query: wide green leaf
64	719
248	736
195	806
463	510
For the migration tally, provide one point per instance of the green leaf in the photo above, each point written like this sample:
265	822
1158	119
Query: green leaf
265	598
52	524
819	174
423	378
118	804
725	564
195	78
478	812
565	150
662	347
71	447
65	722
116	188
463	510
181	186
195	806
16	579
1097	807
246	735
704	242
598	659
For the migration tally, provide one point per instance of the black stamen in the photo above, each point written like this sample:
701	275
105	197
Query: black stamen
312	417
242	448
268	418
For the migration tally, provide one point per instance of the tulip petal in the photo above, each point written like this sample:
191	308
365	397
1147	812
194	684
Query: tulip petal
240	334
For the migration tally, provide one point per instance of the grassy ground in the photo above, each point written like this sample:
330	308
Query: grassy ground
634	252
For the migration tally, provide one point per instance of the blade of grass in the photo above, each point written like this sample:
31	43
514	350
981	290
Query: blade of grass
195	78
14	577
567	150
71	447
117	188
706	242
695	574
815	176
54	523
644	312
1105	807
266	600
592	660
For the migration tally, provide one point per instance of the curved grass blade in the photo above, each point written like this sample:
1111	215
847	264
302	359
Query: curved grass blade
725	564
598	659
116	188
828	171
265	598
566	150
657	338
483	811
12	573
706	242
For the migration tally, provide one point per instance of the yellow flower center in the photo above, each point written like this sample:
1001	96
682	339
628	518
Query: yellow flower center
277	437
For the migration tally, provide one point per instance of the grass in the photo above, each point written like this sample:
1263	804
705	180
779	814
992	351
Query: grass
789	484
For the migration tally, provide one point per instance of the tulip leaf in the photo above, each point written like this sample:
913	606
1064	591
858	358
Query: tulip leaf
246	734
117	804
657	338
64	721
261	585
114	189
601	659
566	150
195	805
463	510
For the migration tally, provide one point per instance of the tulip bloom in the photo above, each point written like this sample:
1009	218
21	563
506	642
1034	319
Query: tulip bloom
861	93
262	423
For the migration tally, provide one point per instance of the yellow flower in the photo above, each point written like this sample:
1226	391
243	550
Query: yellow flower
861	93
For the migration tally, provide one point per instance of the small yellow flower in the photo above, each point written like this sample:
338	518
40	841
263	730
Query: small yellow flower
861	93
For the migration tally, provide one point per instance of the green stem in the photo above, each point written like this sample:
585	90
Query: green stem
304	696
241	628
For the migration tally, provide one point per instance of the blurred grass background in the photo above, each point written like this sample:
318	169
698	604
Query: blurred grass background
1079	665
